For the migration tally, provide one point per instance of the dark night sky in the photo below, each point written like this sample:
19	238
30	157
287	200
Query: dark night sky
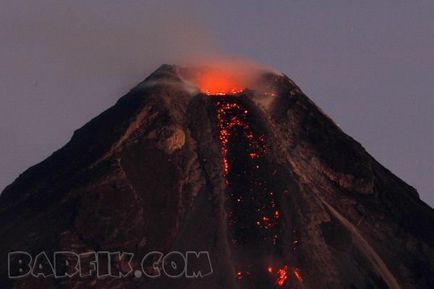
369	65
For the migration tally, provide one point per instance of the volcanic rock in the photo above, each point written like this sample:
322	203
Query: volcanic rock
260	178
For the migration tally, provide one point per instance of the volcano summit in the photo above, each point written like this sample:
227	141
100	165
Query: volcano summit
245	168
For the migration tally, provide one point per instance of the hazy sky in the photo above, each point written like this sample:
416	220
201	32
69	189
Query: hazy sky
368	64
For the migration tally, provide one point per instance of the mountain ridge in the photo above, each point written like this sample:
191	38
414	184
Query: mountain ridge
158	151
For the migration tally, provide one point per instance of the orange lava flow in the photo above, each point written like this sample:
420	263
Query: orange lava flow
243	146
230	110
297	275
282	276
218	82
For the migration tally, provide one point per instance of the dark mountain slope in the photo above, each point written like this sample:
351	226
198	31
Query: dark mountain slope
261	179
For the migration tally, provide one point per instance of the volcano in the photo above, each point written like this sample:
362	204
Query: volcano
252	173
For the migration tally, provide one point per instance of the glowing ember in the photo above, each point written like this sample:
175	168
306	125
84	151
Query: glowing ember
253	212
297	275
282	276
276	214
230	116
253	155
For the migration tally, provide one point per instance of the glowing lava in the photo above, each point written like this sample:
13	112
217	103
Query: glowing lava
230	116
254	215
282	275
220	82
297	275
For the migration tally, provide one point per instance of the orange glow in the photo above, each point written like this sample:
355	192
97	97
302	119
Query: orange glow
229	117
253	155
297	275
220	82
282	275
276	214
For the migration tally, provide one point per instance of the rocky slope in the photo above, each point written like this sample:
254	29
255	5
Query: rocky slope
261	179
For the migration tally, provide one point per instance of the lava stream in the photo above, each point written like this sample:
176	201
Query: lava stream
252	206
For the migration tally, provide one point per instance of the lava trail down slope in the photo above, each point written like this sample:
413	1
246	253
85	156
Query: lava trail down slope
252	172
